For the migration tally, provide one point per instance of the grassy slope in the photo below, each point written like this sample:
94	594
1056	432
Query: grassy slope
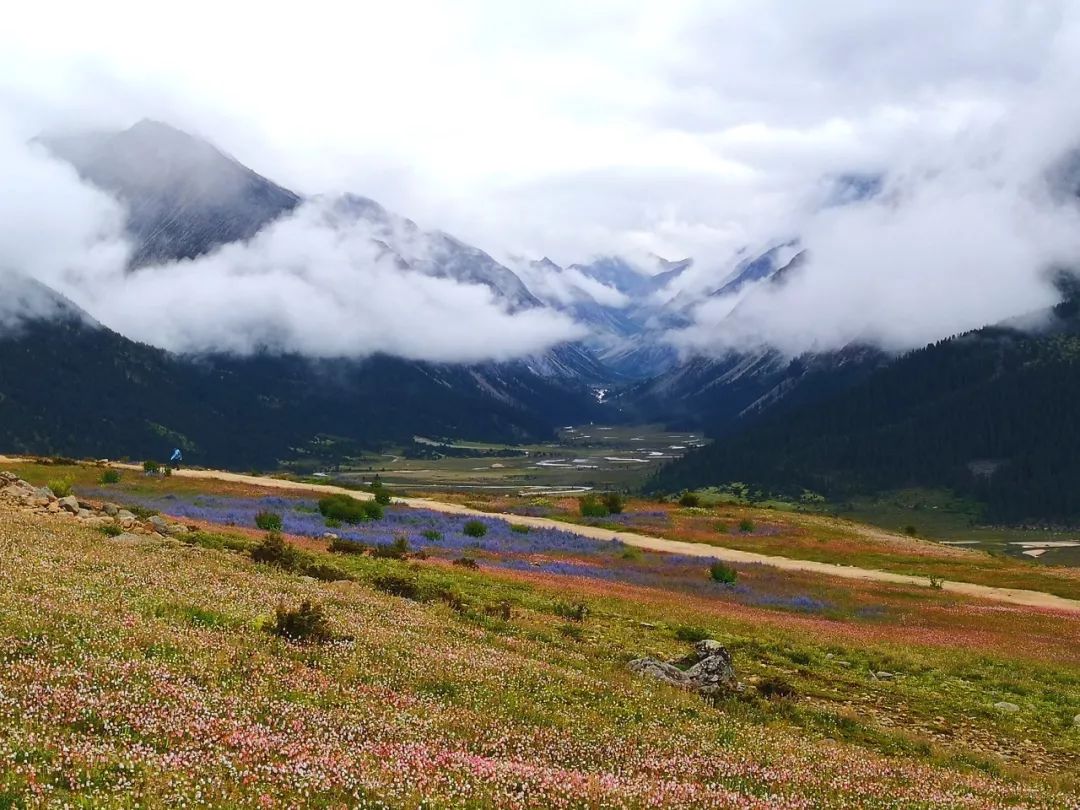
142	675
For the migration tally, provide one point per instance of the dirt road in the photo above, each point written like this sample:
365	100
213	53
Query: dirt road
1014	596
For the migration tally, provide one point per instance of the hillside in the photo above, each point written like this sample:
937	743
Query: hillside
989	414
144	667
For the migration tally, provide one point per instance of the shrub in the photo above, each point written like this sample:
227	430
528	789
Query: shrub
346	509
151	466
911	531
110	477
723	573
340	546
774	687
571	631
475	528
432	534
691	634
393	551
520	528
575	613
746	526
60	487
631	553
268	521
401	585
499	611
592	506
382	496
167	472
613	502
466	562
689	499
111	530
273	550
305	623
141	512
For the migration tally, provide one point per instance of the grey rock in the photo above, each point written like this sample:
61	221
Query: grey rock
1006	707
70	504
110	509
129	539
46	493
159	523
714	671
882	675
330	536
1076	721
660	670
124	514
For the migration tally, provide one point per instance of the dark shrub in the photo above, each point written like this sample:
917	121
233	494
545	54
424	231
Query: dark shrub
151	466
399	585
432	534
339	546
347	509
592	506
571	631
110	477
575	613
474	528
613	502
689	499
911	531
111	530
691	634
382	496
520	528
774	687
273	550
268	521
723	573
746	526
305	623
333	523
393	551
466	562
500	611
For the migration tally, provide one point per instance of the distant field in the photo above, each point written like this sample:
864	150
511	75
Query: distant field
585	456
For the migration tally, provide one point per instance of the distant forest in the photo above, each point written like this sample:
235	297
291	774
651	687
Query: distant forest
993	415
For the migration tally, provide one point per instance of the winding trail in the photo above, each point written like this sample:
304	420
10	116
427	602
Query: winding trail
1015	596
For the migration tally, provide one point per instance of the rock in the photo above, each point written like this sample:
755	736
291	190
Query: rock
1006	707
844	663
46	493
70	504
702	650
124	514
129	539
330	536
882	675
1076	721
660	670
85	514
110	509
714	672
159	523
97	521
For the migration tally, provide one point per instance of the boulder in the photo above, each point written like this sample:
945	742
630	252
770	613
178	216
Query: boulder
1006	708
882	675
661	671
46	493
129	539
159	523
110	509
70	504
714	672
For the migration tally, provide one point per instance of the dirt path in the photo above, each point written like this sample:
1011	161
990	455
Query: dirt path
1014	596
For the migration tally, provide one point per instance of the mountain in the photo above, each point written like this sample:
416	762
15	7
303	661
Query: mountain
990	414
69	385
183	196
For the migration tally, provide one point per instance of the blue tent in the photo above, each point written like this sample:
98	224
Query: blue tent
176	455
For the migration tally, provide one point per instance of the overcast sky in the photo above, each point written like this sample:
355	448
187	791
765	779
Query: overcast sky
571	129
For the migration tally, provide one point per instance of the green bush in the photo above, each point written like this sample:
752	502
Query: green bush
432	534
520	528
911	531
110	477
268	521
305	623
151	466
746	526
340	546
723	573
474	528
346	509
614	503
60	487
592	505
393	551
575	613
690	499
111	530
325	572
333	523
401	585
774	687
273	550
691	634
382	497
466	562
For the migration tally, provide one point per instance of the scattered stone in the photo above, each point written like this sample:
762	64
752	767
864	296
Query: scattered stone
70	504
110	509
882	675
1076	721
1006	707
660	670
124	514
46	493
330	536
128	539
844	663
710	671
715	671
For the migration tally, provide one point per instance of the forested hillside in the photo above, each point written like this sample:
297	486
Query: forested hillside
991	414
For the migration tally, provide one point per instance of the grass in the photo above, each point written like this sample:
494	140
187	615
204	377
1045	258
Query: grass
150	675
